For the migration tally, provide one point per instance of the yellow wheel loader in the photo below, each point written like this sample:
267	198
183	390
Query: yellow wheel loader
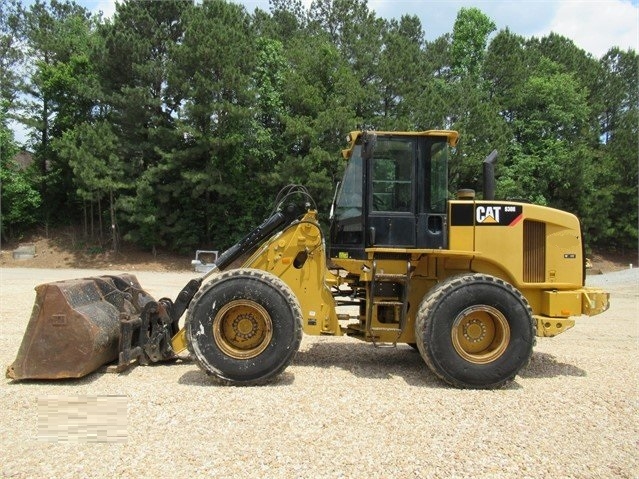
469	283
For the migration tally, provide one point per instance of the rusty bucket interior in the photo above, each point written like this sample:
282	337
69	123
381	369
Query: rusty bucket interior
75	326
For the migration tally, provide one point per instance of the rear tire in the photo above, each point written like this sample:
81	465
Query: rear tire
244	327
475	331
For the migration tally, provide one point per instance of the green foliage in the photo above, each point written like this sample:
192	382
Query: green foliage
20	200
91	151
56	40
11	56
186	118
470	37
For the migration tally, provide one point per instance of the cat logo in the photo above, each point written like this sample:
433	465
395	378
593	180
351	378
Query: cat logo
487	214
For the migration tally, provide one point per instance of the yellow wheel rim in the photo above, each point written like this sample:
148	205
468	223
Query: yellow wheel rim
480	334
242	329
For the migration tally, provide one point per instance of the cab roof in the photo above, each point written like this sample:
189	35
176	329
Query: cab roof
451	136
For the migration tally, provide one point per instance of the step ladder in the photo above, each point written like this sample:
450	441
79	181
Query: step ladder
399	304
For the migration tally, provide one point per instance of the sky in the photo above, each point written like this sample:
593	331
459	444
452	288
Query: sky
594	25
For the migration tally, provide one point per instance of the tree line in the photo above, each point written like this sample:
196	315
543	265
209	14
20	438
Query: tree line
173	124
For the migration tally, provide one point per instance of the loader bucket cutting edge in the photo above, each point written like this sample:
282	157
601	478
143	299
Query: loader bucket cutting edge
75	326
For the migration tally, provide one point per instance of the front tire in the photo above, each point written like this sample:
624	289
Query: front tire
244	327
475	331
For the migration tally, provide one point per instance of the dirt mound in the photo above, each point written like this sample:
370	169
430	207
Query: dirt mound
64	251
607	262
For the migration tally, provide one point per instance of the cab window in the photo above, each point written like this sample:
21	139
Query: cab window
392	172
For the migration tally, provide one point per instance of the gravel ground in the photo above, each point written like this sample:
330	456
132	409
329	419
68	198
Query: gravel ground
342	409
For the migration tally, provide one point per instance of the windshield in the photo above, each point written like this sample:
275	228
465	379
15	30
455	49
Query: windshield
349	198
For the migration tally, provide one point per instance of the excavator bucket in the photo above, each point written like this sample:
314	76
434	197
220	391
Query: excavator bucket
75	326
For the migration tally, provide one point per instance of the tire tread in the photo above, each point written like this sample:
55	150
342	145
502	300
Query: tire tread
434	296
266	277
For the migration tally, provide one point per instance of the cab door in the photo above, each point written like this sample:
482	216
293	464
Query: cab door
391	194
432	194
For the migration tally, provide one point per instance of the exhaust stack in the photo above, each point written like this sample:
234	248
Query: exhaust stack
489	175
